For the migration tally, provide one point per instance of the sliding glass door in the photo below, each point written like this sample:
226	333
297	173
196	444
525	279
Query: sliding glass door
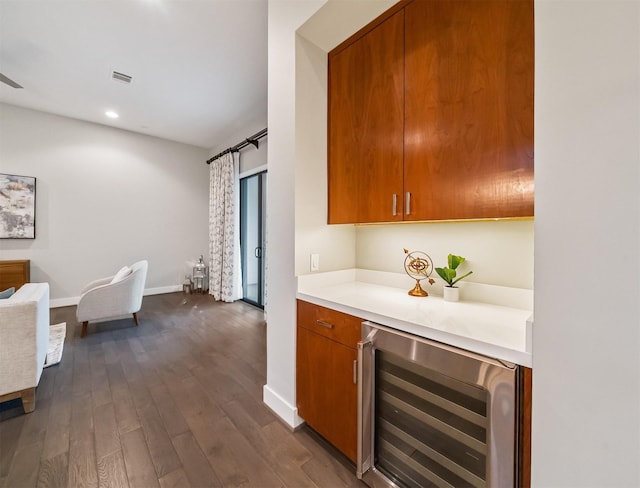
253	201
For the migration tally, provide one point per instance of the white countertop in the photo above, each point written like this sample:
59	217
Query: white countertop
491	320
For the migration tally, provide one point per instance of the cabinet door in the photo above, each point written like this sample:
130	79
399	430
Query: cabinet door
469	109
325	391
365	133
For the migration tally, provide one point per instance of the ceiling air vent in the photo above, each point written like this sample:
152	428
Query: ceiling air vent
121	77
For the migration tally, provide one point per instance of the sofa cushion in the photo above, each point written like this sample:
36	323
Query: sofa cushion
7	293
121	274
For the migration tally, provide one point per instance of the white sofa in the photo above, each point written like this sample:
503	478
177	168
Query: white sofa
24	339
103	299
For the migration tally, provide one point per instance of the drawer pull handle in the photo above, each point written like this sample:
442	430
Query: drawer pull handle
324	324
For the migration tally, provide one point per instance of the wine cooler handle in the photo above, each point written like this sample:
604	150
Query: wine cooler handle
355	371
364	449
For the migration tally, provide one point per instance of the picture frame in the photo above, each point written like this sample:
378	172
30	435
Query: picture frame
17	207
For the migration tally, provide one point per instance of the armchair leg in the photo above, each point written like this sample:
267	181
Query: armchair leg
84	329
28	399
135	318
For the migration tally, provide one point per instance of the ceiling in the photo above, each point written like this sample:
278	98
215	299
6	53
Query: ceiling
198	67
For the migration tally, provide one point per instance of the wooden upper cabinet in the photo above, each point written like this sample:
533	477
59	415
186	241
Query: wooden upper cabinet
468	136
365	131
433	102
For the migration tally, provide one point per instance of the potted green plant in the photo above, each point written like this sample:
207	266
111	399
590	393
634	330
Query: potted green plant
449	275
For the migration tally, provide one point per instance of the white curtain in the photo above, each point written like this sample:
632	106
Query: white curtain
225	275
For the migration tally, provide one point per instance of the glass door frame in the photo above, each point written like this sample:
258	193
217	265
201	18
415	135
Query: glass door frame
259	251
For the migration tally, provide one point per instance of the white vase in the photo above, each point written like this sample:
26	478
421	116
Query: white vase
451	293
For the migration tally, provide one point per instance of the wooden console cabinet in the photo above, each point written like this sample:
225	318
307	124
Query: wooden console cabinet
326	388
14	273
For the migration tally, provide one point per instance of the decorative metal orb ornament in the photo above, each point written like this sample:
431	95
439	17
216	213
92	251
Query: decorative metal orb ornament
419	266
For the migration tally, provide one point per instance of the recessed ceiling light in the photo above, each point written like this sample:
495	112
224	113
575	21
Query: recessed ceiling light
111	114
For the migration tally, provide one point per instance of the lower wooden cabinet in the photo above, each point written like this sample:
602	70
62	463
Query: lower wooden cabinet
327	395
326	364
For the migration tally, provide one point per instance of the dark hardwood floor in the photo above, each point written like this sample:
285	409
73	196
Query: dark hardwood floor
175	402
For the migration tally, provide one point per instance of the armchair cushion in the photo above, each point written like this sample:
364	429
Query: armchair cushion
121	274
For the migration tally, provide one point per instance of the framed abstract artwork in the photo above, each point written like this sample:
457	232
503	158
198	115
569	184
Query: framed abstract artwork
17	207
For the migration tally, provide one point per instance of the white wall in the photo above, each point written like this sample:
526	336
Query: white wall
297	160
586	337
285	16
105	198
251	158
498	252
336	244
339	19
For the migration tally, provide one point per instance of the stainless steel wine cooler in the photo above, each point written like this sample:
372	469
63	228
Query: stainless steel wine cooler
433	415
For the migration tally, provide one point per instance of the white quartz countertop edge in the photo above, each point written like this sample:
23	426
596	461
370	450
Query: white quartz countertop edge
342	291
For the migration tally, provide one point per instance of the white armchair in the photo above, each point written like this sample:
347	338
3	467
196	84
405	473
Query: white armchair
24	340
113	296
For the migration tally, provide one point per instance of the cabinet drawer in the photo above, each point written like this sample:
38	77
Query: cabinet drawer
338	326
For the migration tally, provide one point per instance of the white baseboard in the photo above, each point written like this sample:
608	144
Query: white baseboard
70	301
162	289
283	409
63	302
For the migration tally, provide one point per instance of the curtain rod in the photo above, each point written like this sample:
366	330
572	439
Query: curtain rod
253	140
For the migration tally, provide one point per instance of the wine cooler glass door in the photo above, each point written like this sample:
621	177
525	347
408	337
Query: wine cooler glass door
433	415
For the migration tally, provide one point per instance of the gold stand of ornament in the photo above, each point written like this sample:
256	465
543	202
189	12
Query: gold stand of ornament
418	291
419	266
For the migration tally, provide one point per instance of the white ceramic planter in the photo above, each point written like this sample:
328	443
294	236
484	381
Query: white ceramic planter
451	294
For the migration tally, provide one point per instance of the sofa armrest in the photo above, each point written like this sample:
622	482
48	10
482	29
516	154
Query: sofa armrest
24	337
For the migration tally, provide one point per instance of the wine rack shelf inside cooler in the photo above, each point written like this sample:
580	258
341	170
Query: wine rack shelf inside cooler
431	430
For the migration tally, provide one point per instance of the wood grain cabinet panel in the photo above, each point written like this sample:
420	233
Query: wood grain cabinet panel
469	109
524	431
338	326
433	103
14	273
366	105
326	394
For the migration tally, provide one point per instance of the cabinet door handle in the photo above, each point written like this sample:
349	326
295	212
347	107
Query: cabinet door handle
408	206
324	324
395	204
355	371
